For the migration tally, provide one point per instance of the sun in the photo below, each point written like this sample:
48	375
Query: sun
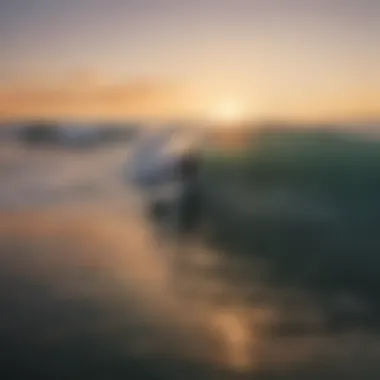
228	112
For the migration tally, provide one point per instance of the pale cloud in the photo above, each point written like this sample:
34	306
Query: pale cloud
85	78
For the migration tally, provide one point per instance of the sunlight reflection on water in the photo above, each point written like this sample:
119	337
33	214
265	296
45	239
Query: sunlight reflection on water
104	249
108	234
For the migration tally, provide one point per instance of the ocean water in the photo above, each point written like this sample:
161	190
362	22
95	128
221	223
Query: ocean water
89	289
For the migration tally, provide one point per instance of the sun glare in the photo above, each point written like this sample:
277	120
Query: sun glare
227	112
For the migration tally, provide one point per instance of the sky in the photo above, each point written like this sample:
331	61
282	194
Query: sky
289	59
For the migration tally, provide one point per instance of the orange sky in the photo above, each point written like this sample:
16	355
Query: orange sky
182	59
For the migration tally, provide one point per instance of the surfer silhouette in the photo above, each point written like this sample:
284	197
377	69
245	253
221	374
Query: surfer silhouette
189	212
